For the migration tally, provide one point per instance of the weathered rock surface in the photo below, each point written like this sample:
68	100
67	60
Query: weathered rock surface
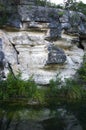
74	56
55	55
33	42
30	54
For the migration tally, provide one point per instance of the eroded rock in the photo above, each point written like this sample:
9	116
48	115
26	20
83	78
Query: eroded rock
55	55
33	42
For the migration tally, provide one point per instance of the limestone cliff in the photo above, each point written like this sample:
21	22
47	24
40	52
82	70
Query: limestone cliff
40	42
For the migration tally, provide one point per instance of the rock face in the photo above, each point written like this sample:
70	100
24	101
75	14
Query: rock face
56	55
2	61
34	44
30	54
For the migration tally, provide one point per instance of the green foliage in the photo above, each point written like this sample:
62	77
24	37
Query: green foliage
54	87
52	15
77	6
4	15
74	18
58	6
39	96
71	4
17	88
64	91
71	90
61	13
81	7
3	19
82	72
40	2
2	89
2	7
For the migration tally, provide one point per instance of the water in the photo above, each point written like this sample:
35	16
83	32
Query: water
66	117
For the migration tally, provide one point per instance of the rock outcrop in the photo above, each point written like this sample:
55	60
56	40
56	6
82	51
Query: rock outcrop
55	55
34	43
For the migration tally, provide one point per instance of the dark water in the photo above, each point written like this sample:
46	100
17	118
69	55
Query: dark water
65	117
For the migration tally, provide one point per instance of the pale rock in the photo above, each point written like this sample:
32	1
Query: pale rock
74	60
28	53
31	30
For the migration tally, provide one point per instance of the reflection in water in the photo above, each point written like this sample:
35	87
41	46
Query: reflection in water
14	118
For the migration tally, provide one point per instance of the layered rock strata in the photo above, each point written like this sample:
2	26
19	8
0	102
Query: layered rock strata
33	43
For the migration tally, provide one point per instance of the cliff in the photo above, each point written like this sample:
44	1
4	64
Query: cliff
40	41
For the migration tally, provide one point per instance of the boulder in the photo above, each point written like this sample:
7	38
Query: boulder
55	55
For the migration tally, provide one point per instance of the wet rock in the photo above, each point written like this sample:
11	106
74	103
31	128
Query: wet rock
70	121
25	125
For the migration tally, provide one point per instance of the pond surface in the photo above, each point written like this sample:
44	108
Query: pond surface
65	117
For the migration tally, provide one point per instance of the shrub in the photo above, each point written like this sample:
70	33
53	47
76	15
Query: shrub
71	90
40	2
39	96
17	88
61	13
68	90
82	72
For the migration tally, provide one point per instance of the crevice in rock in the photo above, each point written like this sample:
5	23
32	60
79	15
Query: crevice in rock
11	70
80	44
17	52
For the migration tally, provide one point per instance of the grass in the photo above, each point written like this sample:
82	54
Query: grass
56	92
17	88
